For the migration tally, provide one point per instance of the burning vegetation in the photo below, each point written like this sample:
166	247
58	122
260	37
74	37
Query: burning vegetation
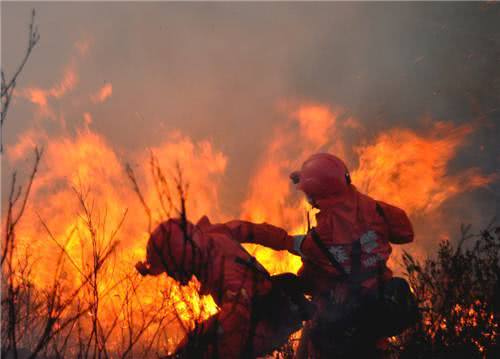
458	290
69	287
74	229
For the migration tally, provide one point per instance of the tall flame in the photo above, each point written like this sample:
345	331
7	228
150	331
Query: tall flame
81	195
270	197
411	170
79	200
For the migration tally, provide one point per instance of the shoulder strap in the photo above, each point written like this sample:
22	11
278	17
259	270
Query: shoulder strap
319	243
356	275
356	258
381	266
380	210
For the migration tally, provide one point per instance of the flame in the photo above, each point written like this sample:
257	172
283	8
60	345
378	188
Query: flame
411	170
25	142
270	196
39	96
103	94
70	169
466	318
202	167
400	166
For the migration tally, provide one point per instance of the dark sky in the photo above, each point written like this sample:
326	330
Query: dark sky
218	70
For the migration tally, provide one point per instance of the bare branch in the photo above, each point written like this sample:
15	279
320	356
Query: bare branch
13	218
7	87
135	186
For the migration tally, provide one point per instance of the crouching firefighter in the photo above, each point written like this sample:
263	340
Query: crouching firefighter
357	300
258	312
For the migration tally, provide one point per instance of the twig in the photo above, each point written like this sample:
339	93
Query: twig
7	87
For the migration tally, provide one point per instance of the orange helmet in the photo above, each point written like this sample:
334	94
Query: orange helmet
171	248
322	175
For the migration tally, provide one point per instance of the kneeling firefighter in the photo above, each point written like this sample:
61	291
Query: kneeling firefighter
345	263
358	300
257	313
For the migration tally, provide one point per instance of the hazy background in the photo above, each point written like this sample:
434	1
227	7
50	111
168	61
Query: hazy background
219	71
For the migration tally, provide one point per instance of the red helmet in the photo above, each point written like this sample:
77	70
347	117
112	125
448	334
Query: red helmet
172	248
322	175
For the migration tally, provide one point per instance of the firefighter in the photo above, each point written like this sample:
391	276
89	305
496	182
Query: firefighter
255	316
344	263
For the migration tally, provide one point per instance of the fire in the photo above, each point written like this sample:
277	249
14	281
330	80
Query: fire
400	166
466	318
40	97
103	94
410	170
270	196
82	201
83	198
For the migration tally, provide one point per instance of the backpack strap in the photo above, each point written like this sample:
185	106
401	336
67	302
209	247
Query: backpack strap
356	258
381	266
356	277
380	211
331	258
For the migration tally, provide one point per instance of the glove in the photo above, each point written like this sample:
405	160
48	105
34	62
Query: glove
297	243
142	268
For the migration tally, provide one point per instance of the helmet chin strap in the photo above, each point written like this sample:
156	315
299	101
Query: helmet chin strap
347	178
311	201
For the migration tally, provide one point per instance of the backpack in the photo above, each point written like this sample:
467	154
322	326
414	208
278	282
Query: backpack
385	311
398	225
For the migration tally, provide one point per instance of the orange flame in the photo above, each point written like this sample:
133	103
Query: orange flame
40	96
103	94
410	170
87	165
401	166
270	197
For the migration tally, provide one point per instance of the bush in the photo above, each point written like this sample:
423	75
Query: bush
458	292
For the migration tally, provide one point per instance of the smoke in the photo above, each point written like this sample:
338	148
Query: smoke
222	71
399	65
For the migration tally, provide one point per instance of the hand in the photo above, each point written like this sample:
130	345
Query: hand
142	268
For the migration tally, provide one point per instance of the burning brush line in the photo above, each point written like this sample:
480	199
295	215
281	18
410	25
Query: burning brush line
87	207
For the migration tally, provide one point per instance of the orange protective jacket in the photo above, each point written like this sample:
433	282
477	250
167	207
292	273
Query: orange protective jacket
233	278
341	221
